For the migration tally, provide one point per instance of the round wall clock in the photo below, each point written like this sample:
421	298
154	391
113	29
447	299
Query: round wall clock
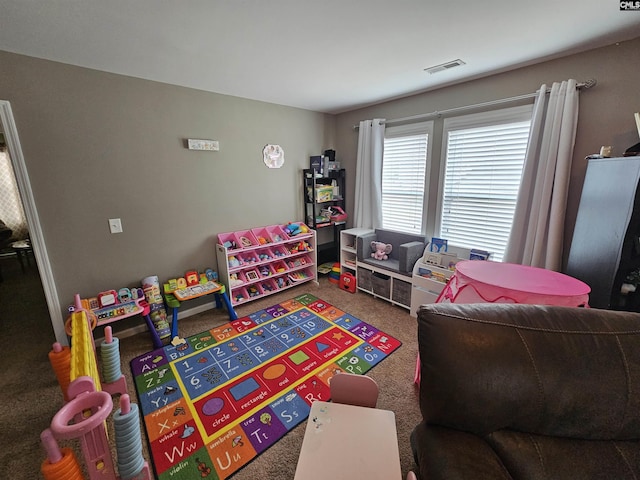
273	156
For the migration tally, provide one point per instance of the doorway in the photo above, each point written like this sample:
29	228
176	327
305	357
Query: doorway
14	148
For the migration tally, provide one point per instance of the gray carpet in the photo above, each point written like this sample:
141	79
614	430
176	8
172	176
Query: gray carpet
31	395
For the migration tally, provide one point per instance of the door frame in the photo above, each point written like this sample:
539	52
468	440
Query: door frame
31	213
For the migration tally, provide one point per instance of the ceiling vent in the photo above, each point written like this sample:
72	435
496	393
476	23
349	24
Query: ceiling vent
444	66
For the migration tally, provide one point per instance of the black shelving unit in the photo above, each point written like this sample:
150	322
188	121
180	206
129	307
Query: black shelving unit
316	206
605	248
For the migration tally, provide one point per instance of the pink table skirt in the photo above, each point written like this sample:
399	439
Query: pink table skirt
491	282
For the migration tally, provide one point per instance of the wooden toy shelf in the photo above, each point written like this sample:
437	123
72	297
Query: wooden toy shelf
261	261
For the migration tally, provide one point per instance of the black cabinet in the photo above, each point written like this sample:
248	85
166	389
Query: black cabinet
605	248
324	209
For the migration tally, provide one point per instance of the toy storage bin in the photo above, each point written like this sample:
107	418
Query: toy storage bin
252	275
297	262
266	270
364	278
299	275
262	235
229	240
233	266
254	290
279	251
246	239
268	286
381	284
282	282
279	267
401	292
300	235
276	233
248	258
239	295
238	281
264	255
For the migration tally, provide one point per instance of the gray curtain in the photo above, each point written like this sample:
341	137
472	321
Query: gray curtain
368	191
538	225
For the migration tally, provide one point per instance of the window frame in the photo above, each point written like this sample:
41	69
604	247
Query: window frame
469	121
427	128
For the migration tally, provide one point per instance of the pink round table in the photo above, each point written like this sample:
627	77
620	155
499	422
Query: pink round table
493	282
476	281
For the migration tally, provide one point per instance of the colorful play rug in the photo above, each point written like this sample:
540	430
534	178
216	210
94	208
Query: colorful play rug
217	401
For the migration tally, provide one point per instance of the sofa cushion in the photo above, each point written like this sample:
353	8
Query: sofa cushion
533	391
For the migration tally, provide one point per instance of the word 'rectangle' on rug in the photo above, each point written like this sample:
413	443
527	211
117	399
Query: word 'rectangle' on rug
216	401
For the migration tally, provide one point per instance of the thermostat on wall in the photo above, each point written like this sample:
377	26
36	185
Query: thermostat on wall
196	144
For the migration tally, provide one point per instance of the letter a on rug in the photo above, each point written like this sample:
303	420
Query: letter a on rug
214	403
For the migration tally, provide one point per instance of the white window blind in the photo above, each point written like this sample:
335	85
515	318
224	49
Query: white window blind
404	168
484	159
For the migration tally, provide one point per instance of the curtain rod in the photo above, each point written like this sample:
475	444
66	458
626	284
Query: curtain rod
437	114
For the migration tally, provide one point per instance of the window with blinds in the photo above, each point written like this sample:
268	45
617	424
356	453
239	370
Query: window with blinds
404	167
484	158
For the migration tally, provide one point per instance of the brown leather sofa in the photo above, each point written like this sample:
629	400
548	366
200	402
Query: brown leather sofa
528	392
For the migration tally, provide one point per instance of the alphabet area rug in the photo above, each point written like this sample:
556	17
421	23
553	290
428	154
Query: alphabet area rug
215	402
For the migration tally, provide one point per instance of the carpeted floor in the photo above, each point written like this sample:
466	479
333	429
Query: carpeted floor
32	396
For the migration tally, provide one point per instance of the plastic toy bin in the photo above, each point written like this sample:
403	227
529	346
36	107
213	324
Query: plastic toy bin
279	251
262	236
248	258
265	255
266	270
298	235
276	233
252	275
229	240
239	295
279	267
297	262
246	239
268	286
241	279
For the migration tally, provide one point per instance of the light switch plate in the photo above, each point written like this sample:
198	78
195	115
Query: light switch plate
115	225
196	144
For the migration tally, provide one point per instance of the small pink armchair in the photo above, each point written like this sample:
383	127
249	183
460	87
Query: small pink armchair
354	389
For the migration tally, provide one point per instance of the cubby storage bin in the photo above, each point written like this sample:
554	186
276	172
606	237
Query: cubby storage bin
264	255
242	259
381	284
276	233
262	235
401	292
249	258
300	275
297	262
246	239
254	290
268	286
237	279
295	237
279	267
279	252
252	275
239	295
229	240
266	270
364	278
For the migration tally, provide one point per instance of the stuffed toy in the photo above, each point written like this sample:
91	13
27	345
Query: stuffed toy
381	250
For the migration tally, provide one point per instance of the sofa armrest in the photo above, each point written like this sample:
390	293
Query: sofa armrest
408	255
446	454
363	247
